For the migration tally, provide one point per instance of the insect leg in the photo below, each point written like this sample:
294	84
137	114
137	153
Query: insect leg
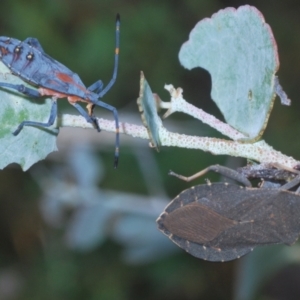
50	122
115	72
115	113
232	174
89	119
96	87
34	43
291	184
22	89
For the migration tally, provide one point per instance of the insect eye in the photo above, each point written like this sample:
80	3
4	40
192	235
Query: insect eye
18	49
30	56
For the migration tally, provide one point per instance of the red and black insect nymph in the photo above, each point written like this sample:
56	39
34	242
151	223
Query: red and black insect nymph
28	61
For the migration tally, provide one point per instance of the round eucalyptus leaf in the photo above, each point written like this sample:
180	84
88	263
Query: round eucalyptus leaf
238	49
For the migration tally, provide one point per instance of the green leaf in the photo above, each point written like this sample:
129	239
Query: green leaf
147	107
32	143
238	49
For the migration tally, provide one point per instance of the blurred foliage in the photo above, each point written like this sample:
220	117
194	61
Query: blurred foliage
37	259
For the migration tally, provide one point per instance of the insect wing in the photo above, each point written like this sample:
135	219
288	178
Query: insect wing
211	253
55	76
221	222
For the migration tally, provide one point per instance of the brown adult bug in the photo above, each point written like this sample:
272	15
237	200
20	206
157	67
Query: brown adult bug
222	222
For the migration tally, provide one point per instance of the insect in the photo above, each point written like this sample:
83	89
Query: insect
27	60
222	221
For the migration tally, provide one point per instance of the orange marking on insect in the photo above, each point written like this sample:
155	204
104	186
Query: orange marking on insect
71	98
4	51
66	78
117	50
48	92
90	108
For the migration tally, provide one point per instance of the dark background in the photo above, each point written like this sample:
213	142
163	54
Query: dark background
38	258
